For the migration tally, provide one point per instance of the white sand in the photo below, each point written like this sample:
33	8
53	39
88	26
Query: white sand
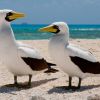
44	85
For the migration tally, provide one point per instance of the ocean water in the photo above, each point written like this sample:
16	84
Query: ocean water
30	32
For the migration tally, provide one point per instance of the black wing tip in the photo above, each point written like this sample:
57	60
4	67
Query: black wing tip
51	64
51	70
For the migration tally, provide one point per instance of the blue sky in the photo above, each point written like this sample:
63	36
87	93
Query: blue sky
48	11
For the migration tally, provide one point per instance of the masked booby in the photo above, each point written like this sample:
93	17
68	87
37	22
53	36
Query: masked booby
70	58
19	58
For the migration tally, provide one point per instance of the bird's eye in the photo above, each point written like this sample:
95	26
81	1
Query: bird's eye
9	14
56	27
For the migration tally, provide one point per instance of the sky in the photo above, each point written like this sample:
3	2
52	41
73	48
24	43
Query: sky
48	11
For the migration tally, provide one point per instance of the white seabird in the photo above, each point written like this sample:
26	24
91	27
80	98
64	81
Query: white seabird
19	58
70	58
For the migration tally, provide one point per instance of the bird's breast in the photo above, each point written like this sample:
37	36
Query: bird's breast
56	49
61	58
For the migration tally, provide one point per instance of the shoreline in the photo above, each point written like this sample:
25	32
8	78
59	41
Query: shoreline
49	39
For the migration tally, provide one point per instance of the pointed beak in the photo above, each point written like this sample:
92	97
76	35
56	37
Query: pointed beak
16	15
48	29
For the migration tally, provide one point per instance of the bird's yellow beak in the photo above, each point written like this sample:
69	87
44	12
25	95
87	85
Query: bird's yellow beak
16	15
48	29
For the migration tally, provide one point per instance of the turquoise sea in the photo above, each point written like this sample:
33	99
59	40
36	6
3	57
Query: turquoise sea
29	32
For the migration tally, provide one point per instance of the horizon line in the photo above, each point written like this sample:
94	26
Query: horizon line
47	24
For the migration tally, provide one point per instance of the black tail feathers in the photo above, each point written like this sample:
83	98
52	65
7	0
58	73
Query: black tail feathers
51	70
50	64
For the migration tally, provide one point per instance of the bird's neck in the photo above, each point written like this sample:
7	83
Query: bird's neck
6	34
63	37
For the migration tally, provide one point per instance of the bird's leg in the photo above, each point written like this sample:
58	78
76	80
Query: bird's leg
15	80
30	77
79	84
70	82
69	86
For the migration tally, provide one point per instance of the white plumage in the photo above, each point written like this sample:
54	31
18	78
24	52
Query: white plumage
24	51
70	58
19	58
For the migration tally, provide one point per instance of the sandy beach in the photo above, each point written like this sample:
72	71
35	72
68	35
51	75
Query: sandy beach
45	85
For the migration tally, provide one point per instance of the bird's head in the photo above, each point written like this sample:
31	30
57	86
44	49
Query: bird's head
9	15
57	28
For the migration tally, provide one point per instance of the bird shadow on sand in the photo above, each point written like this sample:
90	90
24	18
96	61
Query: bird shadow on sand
63	89
9	88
